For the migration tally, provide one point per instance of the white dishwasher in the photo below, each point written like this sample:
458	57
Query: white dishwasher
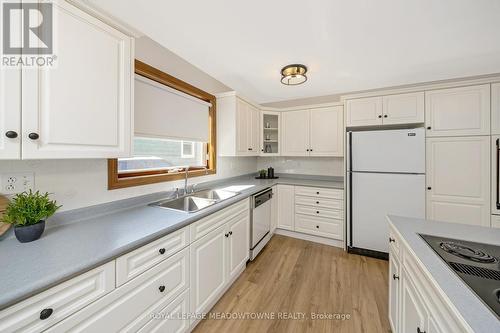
260	225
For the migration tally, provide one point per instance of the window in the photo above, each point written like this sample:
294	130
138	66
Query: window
188	149
159	159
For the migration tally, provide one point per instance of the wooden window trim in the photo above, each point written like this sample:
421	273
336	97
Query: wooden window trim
116	181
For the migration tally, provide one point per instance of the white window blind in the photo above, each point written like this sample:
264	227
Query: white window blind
163	112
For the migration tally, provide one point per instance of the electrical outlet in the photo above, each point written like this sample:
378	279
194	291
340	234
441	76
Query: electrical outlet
13	183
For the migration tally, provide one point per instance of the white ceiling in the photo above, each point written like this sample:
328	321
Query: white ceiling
348	45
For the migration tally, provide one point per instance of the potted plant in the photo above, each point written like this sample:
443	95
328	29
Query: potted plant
27	212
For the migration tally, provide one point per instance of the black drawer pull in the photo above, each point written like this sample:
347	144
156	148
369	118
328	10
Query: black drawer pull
11	134
317	202
395	277
227	235
230	233
162	288
317	227
45	313
33	136
162	251
419	331
391	240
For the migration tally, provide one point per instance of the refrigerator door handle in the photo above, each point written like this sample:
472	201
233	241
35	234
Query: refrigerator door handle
350	189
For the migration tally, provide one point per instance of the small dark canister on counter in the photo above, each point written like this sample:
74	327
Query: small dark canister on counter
270	172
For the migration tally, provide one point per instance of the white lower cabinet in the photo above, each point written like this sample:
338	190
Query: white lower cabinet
415	304
172	318
157	286
274	209
413	312
394	292
286	207
51	306
216	260
208	269
131	306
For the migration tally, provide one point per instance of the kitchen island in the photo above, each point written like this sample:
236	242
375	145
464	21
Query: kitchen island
425	294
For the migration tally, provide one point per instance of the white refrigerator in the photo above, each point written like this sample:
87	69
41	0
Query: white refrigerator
386	176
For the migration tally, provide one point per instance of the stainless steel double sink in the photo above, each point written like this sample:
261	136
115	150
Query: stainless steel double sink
196	201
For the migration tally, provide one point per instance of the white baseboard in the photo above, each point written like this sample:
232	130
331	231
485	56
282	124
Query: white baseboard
311	238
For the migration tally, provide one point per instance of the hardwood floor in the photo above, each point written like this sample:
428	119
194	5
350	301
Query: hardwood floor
296	277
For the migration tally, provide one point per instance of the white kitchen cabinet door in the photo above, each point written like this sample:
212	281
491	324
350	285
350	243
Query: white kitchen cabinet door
295	133
10	108
403	108
394	292
327	131
458	111
238	232
495	108
458	179
413	312
243	128
208	269
364	112
81	107
10	113
175	311
286	207
254	138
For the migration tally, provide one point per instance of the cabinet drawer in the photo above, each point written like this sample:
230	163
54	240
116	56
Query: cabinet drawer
175	312
212	222
64	299
319	202
130	306
319	192
134	263
321	212
319	226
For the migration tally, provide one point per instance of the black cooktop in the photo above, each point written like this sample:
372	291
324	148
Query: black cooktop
478	265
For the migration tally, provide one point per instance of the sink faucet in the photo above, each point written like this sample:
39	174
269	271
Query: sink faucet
186	172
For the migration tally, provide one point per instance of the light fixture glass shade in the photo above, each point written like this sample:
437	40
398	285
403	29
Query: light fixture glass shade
293	74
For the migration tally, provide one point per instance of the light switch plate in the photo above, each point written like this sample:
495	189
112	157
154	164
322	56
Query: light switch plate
17	182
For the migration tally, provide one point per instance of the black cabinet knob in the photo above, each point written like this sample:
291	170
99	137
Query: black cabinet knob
317	227
419	331
230	233
162	251
310	149
395	277
227	235
385	116
391	240
45	313
317	202
428	127
33	136
317	212
317	192
11	134
161	288
380	116
429	188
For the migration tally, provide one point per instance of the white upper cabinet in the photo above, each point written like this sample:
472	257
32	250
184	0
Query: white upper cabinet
295	133
315	132
327	131
80	108
237	127
386	110
10	113
495	108
458	179
403	108
458	111
364	112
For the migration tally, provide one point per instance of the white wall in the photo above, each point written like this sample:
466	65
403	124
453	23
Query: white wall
325	166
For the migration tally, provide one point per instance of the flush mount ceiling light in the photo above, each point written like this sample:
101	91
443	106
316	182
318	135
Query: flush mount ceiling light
293	75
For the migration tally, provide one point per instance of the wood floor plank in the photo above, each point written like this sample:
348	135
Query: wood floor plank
293	277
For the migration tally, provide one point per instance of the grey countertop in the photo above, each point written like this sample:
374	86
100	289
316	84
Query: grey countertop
479	317
77	241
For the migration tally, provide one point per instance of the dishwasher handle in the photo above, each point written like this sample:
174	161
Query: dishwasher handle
262	197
